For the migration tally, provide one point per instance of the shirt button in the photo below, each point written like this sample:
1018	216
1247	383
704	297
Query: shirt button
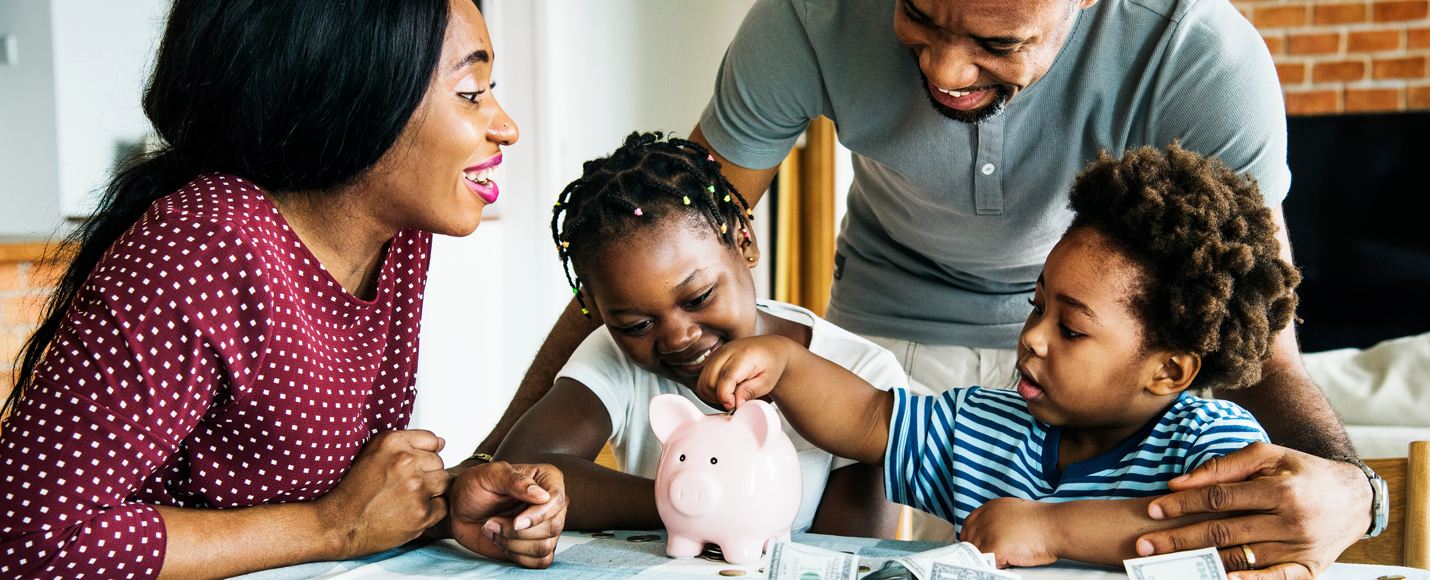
988	168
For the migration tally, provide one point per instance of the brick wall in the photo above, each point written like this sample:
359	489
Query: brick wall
24	285
1339	56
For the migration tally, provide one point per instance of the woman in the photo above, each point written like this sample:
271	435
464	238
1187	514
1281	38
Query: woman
222	379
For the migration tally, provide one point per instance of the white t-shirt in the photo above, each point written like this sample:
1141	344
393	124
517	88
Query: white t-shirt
627	389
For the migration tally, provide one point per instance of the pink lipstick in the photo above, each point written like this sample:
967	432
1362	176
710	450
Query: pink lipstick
482	179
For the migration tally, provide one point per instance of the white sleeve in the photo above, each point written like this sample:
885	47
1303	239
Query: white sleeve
600	366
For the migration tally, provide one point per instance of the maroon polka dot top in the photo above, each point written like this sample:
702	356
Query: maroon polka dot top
209	362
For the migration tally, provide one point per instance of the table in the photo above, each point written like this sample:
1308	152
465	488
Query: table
582	557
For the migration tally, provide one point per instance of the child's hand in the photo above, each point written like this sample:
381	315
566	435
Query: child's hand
1019	532
744	369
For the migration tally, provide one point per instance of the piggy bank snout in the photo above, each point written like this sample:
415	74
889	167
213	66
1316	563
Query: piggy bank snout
694	493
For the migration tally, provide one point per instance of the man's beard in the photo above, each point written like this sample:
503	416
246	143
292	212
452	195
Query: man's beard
1000	101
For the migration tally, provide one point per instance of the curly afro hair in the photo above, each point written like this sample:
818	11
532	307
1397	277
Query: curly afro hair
1214	284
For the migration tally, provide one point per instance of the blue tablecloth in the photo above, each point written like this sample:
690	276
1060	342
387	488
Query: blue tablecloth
582	557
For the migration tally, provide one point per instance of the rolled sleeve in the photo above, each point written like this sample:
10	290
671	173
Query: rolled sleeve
768	88
1223	97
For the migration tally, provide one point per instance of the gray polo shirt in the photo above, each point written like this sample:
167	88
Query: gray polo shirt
949	223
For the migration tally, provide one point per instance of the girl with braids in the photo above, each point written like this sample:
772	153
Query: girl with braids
658	244
223	379
1169	278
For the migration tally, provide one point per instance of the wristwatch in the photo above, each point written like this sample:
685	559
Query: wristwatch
1380	496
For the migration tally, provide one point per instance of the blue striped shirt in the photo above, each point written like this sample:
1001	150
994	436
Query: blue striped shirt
949	454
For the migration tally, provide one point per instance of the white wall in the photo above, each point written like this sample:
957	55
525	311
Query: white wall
576	76
74	94
29	163
103	54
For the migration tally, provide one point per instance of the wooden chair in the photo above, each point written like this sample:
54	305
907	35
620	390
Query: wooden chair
1406	542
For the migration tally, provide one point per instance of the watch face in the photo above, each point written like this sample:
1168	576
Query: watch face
1380	508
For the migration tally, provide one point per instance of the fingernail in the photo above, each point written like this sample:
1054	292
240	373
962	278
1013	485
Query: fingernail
523	523
535	490
492	528
1144	548
1155	511
1178	479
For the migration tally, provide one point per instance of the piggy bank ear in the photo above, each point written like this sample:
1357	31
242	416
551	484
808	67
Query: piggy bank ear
761	419
668	412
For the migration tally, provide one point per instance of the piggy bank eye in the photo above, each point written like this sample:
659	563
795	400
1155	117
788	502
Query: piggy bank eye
713	461
682	457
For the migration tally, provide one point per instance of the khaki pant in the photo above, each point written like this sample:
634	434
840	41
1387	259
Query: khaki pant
933	369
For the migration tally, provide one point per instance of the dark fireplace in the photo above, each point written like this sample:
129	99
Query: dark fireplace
1359	219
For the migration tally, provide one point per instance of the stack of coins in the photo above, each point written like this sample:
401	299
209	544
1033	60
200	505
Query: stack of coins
643	538
712	553
602	535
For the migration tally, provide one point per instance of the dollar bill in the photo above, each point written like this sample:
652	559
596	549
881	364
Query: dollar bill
790	561
942	571
1204	564
961	554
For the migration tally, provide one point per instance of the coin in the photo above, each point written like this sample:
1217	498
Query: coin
602	535
1391	577
863	569
642	538
732	572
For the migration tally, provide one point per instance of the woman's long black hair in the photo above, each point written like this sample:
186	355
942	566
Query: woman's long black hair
293	95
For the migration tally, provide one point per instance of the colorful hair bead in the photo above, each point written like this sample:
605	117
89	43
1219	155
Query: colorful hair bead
709	157
722	228
686	198
710	188
565	244
586	312
638	211
727	198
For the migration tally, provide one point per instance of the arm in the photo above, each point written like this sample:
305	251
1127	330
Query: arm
830	406
571	328
567	429
854	505
1030	533
1301	511
393	492
1292	409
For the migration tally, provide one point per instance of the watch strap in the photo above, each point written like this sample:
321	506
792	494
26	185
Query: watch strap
1380	496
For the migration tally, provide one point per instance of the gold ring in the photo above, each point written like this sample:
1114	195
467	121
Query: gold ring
1250	557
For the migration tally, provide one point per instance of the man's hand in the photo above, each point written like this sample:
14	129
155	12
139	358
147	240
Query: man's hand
744	369
1019	532
509	512
1300	511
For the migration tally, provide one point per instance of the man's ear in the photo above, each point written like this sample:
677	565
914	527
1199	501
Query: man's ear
1175	374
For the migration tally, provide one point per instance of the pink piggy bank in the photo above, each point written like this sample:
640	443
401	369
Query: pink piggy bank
730	480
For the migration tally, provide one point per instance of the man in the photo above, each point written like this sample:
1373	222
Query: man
968	120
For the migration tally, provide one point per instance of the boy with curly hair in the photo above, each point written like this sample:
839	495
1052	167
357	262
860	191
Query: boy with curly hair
1168	279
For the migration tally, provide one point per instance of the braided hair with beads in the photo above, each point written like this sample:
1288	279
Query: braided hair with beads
643	183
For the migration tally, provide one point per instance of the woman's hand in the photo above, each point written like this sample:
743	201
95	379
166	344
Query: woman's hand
391	494
744	369
1302	511
509	512
1019	532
